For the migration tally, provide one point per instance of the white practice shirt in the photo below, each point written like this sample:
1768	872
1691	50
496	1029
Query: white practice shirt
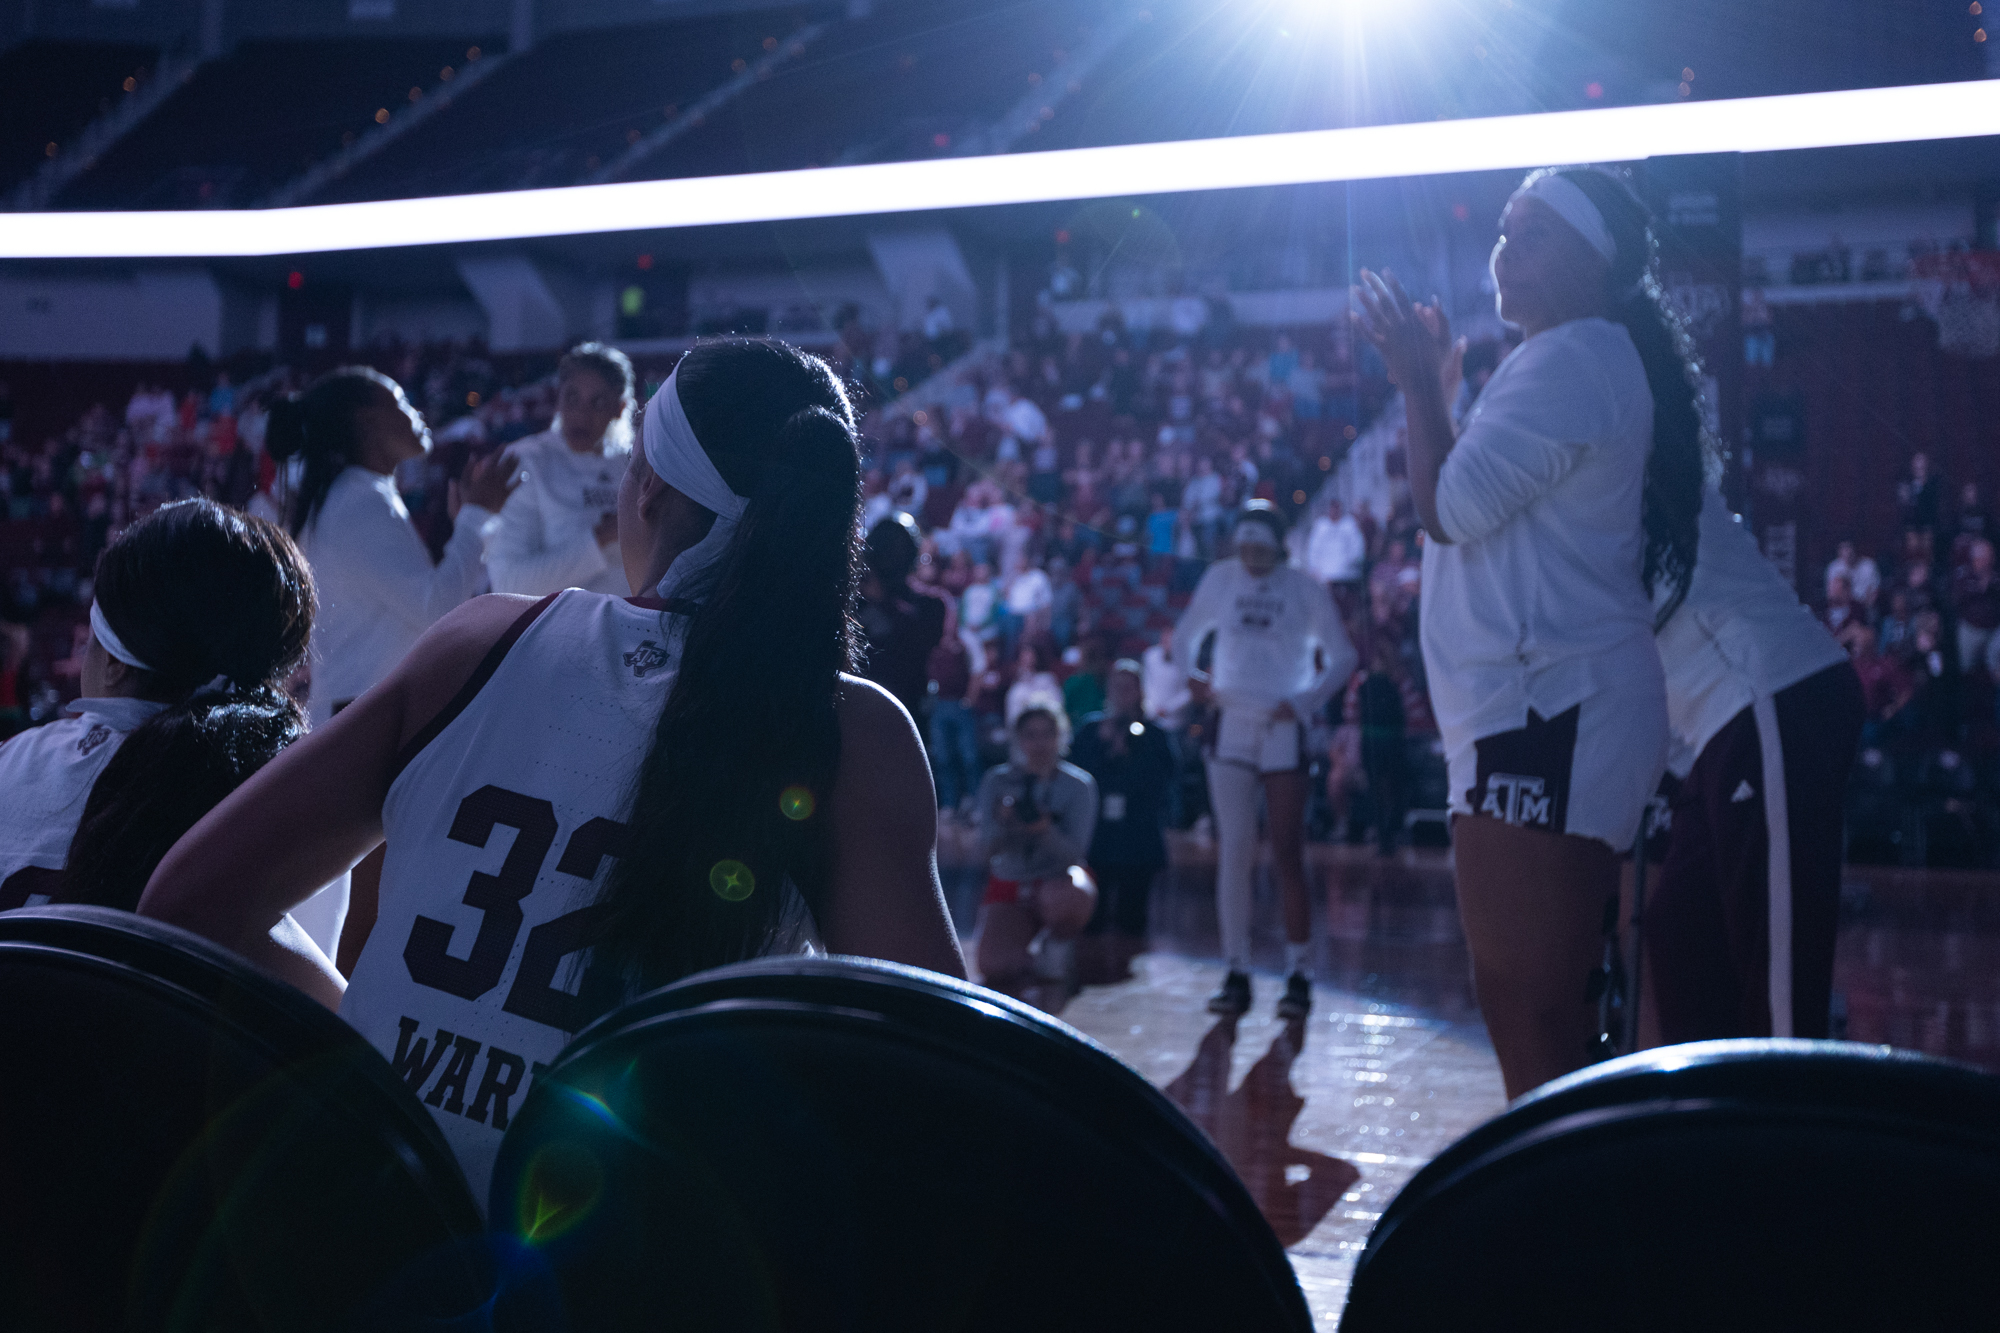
1278	639
1540	582
520	796
378	590
1741	635
544	539
45	778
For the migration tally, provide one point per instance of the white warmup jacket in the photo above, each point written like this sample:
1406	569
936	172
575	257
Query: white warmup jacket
1536	601
45	778
1278	639
378	590
1742	635
544	539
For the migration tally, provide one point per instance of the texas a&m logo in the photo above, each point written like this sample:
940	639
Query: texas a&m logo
1514	798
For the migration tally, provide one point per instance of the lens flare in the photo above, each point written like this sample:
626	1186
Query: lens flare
561	1186
732	881
796	802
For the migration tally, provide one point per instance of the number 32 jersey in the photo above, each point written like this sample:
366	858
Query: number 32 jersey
500	825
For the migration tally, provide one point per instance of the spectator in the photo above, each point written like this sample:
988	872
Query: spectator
1335	548
1083	693
1346	777
1864	580
1034	684
1973	520
1380	714
1920	494
902	623
1976	595
1132	762
1037	816
956	664
1030	597
1885	685
980	608
937	320
1166	684
1894	633
222	398
1840	608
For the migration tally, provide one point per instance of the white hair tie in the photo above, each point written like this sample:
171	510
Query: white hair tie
113	645
678	459
1567	199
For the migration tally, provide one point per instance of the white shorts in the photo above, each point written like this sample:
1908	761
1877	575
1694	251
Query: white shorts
1250	739
1589	771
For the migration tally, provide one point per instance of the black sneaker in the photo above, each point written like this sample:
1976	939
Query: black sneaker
1234	997
1297	1000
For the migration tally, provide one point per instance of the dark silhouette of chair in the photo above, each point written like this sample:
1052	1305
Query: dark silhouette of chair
1728	1184
188	1144
849	1144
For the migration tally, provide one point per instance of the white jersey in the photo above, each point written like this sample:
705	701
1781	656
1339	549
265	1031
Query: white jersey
499	827
45	778
1278	639
1742	635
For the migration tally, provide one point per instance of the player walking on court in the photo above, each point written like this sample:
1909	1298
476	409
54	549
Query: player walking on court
588	796
1280	653
1569	500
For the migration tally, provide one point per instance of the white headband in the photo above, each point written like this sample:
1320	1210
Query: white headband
1573	206
678	459
1255	534
109	638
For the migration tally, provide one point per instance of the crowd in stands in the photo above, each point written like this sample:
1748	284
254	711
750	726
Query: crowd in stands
1919	622
1065	497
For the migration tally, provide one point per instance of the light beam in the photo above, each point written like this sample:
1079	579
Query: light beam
1428	148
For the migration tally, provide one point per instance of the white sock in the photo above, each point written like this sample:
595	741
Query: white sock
1295	960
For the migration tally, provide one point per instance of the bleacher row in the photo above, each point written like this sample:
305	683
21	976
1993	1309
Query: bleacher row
892	80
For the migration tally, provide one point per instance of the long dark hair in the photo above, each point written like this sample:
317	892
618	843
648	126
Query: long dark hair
322	424
198	592
730	801
1678	466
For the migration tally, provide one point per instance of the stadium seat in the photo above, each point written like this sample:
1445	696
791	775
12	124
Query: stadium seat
187	1144
843	1143
1738	1184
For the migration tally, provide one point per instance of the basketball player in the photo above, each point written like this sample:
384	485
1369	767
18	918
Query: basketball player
377	586
181	701
1766	713
1280	653
587	796
1569	499
559	529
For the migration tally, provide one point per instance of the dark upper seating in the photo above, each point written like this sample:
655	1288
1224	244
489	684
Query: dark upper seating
916	69
50	90
571	103
250	121
1741	1184
185	1143
843	1143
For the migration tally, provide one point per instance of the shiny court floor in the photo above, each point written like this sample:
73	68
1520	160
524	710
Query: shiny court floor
1326	1119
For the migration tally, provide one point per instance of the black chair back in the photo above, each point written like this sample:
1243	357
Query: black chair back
188	1144
848	1144
1730	1184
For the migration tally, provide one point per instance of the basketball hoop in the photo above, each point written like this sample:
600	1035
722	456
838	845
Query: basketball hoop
1961	291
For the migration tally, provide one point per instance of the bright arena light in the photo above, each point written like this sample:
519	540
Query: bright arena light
1616	134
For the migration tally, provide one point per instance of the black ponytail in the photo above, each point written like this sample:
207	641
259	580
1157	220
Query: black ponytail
1678	467
730	800
323	425
220	605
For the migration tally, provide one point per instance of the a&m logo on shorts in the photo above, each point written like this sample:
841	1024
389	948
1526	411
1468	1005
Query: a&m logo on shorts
1516	799
645	657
